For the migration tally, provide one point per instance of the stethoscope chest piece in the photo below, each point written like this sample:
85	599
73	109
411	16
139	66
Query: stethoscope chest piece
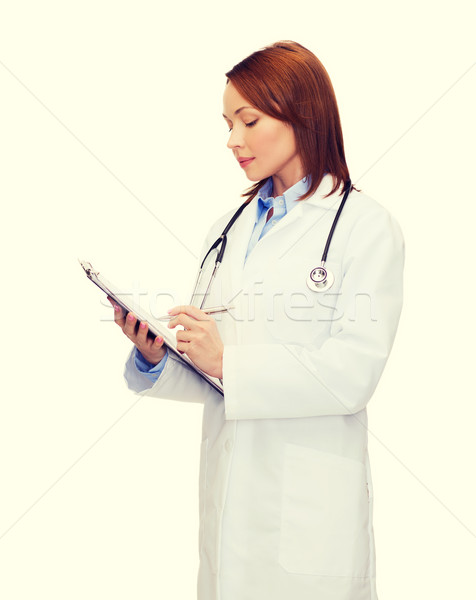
320	279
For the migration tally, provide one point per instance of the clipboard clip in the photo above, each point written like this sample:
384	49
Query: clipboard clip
88	267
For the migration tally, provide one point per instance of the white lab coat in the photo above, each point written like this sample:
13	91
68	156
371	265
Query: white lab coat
285	486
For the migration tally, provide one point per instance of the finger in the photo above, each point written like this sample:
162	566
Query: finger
184	336
141	338
154	344
118	315
183	347
129	326
158	342
191	311
113	302
183	319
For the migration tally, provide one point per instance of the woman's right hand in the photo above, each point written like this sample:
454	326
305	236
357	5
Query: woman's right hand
153	350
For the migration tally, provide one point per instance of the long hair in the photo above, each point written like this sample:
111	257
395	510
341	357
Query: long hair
289	83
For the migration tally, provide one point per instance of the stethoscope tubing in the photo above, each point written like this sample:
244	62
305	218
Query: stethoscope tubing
222	242
347	188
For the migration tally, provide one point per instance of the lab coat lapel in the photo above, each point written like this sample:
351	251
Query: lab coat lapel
287	220
239	235
317	199
237	246
306	208
276	241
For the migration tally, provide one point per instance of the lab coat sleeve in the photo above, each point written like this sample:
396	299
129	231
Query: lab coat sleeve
275	380
176	382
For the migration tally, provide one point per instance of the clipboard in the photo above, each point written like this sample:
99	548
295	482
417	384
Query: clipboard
155	326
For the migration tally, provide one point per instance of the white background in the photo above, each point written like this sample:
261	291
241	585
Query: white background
113	149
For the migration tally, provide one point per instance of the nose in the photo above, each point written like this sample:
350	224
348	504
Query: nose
235	140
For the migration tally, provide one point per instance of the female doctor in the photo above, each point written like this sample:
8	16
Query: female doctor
285	486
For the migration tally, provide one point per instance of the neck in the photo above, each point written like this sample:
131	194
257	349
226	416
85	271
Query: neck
281	183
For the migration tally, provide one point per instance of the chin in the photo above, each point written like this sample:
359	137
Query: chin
253	176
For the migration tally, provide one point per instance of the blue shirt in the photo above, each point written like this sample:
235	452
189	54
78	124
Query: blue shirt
281	205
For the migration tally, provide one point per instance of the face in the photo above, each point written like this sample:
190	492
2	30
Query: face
263	145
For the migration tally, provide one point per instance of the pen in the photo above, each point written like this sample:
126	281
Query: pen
213	310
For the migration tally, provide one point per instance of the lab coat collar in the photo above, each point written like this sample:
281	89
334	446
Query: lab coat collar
320	199
244	227
325	187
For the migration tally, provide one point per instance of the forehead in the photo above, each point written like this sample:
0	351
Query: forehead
233	100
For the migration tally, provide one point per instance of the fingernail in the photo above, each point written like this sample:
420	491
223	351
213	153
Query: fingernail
142	325
117	308
159	340
131	317
169	311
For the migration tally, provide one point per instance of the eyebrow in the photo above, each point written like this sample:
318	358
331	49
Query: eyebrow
238	110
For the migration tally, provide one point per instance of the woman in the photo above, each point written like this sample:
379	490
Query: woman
285	487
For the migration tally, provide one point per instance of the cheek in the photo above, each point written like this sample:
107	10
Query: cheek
288	141
271	141
283	142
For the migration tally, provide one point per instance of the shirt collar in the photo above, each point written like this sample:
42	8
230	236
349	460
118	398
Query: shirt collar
265	190
291	195
296	191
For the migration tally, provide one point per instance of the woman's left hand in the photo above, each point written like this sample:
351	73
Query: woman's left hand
200	340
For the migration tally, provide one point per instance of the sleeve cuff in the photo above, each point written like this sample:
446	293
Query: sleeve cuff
150	370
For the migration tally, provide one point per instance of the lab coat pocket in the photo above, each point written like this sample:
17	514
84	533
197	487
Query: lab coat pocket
324	514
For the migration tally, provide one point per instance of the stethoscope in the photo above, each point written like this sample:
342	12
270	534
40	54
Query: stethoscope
320	279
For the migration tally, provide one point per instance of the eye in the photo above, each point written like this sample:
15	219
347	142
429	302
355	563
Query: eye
252	123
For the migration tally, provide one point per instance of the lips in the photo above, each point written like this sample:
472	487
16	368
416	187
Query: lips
245	161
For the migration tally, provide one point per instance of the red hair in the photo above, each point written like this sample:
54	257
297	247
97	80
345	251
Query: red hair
289	83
